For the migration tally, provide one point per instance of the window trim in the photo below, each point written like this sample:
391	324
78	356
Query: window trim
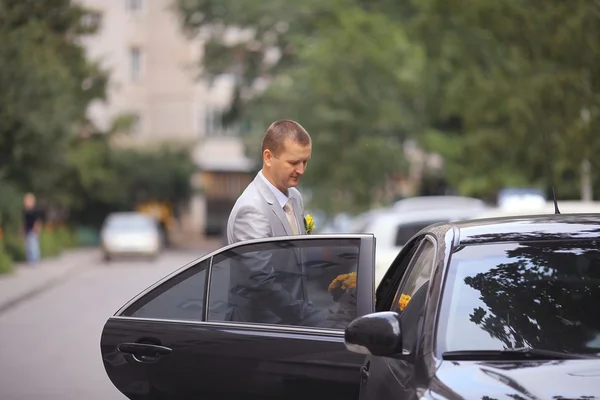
244	326
207	289
366	258
447	245
422	320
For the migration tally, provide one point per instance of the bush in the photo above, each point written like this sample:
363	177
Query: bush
65	237
6	265
14	247
49	244
87	236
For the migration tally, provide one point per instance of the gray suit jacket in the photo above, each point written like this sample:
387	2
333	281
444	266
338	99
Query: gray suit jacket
257	214
266	286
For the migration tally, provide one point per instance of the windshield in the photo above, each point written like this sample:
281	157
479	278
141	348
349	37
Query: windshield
129	223
543	295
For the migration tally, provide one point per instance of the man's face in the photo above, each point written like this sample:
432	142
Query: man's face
287	167
29	201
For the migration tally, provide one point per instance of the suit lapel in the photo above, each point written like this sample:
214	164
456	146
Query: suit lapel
270	198
282	217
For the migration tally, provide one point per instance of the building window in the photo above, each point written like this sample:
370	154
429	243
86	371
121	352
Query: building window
213	122
134	5
135	61
136	124
91	20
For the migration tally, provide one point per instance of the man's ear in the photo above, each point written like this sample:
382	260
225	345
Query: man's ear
267	157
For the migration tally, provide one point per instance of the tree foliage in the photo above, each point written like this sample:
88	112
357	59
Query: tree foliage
47	145
104	178
342	72
47	84
478	82
511	72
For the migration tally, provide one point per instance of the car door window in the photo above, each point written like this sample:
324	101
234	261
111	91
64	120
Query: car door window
309	283
181	297
410	297
386	291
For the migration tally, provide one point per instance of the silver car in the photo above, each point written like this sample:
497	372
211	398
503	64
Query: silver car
130	234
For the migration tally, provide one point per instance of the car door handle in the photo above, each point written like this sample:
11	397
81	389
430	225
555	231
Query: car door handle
364	373
144	351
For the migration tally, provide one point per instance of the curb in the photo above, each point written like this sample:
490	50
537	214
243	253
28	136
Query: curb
34	291
52	280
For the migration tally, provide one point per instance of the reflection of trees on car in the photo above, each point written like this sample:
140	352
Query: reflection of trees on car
545	296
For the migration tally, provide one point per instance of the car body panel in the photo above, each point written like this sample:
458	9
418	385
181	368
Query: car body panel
214	360
427	376
536	379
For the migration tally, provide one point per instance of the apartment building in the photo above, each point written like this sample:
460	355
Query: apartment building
154	78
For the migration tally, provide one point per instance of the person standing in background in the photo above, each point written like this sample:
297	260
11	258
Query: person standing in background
32	227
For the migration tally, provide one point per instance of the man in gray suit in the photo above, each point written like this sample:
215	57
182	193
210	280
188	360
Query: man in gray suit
268	286
271	205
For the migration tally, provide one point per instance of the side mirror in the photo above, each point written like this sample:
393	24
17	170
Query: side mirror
377	334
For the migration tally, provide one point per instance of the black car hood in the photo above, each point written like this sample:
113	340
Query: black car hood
556	379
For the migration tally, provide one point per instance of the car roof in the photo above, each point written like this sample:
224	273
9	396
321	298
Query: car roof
385	224
128	214
428	202
522	228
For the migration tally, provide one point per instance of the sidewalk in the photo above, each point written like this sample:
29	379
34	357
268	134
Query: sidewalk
194	242
27	280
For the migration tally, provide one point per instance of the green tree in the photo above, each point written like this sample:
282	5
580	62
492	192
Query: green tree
354	88
46	85
506	73
161	174
350	75
104	178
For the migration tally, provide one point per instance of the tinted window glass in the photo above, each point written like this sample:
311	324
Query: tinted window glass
411	294
418	276
406	231
297	283
388	287
544	294
181	297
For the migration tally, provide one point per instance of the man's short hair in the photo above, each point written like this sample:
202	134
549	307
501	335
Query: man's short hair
279	131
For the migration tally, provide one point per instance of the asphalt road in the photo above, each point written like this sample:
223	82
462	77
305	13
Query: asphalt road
50	344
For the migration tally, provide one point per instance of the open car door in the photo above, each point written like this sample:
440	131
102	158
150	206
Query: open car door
261	319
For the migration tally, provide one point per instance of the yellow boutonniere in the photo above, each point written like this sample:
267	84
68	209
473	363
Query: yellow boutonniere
403	302
309	223
343	282
341	285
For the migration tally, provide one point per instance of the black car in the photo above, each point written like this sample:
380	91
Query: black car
504	308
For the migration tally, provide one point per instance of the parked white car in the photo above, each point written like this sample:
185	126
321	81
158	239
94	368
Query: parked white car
392	229
418	203
130	234
565	207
